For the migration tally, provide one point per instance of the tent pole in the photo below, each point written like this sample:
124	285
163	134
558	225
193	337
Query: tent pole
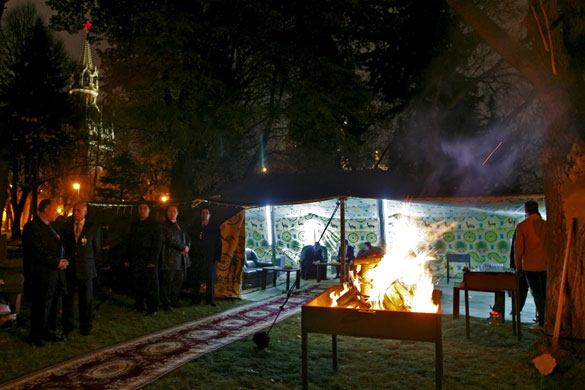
381	223
342	250
273	230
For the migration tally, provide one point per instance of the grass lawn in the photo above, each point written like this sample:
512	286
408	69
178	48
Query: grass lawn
492	359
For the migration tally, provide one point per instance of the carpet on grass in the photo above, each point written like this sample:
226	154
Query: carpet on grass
138	362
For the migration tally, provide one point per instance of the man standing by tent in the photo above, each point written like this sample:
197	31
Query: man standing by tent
144	248
44	264
175	259
530	257
82	243
206	252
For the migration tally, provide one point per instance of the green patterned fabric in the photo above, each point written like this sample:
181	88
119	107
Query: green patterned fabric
481	228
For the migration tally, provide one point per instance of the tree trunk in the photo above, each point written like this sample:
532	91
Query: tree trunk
17	209
182	175
565	200
4	171
563	162
34	201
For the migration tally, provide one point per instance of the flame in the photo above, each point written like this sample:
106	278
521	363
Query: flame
401	280
335	295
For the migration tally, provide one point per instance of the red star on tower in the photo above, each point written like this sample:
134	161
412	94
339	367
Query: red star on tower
87	25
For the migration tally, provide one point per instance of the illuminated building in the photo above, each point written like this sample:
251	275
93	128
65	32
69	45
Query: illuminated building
96	144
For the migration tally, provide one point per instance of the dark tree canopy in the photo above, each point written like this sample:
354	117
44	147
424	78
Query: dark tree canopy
35	107
210	84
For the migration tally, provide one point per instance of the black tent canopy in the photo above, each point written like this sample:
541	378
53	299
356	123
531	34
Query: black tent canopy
286	188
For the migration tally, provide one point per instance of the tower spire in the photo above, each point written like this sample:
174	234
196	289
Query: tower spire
85	81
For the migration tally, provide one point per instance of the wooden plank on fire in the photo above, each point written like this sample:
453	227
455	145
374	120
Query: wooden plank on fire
349	296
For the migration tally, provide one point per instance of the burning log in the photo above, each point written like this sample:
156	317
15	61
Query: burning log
348	297
353	299
396	297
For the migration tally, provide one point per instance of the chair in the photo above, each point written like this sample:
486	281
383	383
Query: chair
252	275
452	258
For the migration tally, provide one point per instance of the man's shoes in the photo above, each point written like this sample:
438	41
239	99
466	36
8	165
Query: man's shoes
35	342
137	310
211	303
52	337
67	331
152	313
536	329
167	308
196	301
85	332
8	324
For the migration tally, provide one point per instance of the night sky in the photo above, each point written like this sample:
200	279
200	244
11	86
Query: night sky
73	43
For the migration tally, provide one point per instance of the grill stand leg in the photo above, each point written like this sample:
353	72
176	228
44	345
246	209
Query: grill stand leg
466	312
304	341
439	356
334	349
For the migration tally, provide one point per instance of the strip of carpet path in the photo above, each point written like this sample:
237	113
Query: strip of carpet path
138	362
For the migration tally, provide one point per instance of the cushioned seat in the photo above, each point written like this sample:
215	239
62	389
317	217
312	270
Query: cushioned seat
252	276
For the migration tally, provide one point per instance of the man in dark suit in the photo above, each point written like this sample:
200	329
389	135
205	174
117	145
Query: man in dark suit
44	264
309	255
82	241
175	259
144	245
206	253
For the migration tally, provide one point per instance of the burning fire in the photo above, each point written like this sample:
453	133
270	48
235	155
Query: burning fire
398	281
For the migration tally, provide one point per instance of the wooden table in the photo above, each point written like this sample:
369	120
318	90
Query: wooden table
499	302
495	282
275	274
322	267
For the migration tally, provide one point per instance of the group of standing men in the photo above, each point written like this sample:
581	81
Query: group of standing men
159	258
58	262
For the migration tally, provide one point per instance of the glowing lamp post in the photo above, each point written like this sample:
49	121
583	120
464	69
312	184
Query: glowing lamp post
76	186
164	198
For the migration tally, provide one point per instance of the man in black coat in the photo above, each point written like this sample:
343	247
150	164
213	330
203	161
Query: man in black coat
44	264
310	255
82	241
206	252
144	246
175	259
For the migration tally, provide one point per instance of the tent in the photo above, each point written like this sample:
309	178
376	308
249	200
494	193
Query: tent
283	212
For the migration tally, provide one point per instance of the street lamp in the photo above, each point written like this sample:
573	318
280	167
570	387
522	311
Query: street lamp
76	186
164	198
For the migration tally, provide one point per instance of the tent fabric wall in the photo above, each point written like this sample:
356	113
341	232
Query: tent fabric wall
230	269
302	224
480	227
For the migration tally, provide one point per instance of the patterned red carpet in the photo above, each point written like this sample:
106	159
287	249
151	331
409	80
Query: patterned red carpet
136	363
